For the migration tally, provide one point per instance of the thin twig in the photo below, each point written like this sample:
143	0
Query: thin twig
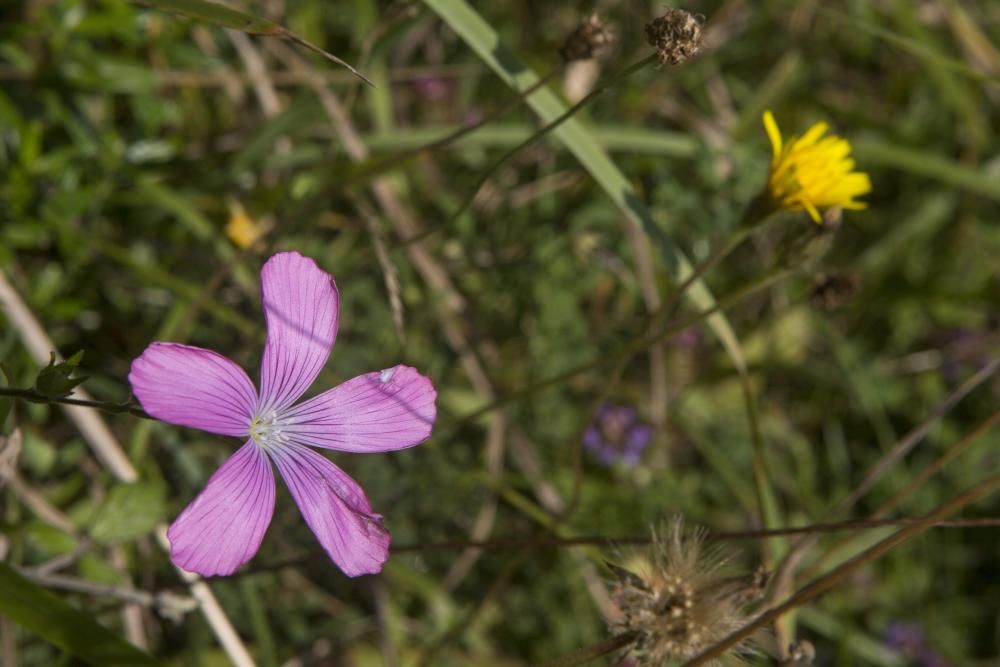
555	542
822	584
905	445
402	158
222	78
645	275
104	406
593	651
95	432
166	603
216	617
8	644
110	453
785	572
917	481
542	132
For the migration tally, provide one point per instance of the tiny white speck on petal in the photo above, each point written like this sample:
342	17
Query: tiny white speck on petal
386	375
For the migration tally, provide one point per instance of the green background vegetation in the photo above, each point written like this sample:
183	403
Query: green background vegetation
128	134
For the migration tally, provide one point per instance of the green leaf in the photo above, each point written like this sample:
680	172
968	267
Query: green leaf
54	380
927	164
49	540
131	511
43	613
580	141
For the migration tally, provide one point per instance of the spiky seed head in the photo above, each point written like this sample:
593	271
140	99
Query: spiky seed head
676	36
677	601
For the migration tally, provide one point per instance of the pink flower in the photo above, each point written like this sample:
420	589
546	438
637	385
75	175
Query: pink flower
376	412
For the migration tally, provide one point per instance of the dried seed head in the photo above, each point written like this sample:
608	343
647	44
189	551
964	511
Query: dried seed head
676	36
589	39
678	603
801	653
832	290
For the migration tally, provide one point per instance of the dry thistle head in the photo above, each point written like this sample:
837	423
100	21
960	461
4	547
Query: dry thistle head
589	39
676	36
679	602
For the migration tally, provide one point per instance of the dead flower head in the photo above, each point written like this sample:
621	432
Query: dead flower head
677	602
676	36
589	39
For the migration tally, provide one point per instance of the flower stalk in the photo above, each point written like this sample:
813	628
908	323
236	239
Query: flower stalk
33	396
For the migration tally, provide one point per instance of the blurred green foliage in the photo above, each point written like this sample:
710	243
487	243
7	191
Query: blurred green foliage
128	135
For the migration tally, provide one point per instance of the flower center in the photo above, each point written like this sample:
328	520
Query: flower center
266	430
614	427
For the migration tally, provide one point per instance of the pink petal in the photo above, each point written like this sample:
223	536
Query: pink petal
223	527
195	387
336	509
375	412
301	308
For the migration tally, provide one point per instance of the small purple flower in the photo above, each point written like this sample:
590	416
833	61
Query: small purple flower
616	434
909	640
434	88
687	338
376	412
905	638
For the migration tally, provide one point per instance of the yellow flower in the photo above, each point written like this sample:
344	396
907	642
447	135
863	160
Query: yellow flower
241	229
812	171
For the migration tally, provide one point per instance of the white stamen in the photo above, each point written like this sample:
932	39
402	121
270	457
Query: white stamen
266	430
386	375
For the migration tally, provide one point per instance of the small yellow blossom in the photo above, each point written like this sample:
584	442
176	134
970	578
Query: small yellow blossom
241	229
813	171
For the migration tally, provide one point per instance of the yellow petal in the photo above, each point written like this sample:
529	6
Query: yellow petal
812	135
771	126
813	172
813	213
241	229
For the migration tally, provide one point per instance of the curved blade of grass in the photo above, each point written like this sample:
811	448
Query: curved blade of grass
482	39
216	14
912	46
613	138
220	15
927	164
579	140
45	614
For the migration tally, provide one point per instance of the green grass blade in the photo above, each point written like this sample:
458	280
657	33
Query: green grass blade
614	138
482	39
43	613
912	46
927	164
210	12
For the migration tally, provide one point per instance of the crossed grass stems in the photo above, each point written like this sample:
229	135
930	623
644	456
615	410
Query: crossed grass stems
655	327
